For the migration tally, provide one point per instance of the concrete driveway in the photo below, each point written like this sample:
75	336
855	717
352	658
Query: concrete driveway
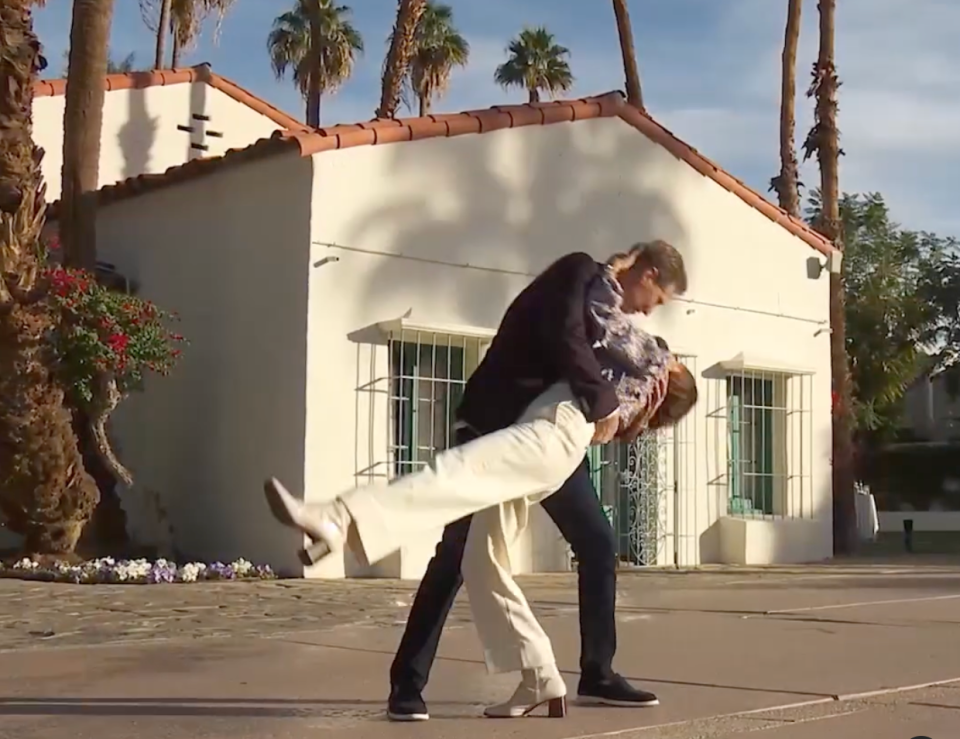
785	653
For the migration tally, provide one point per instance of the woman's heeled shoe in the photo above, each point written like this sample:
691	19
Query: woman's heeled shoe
538	687
325	525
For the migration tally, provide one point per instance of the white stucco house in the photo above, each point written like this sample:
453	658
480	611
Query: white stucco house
338	287
156	120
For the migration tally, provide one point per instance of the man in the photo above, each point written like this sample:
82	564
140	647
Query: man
511	375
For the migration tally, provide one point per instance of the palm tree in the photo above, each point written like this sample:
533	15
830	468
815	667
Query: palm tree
45	494
402	46
82	123
824	142
438	48
316	42
628	52
536	62
787	183
183	20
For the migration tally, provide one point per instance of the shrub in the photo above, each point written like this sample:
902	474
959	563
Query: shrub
102	335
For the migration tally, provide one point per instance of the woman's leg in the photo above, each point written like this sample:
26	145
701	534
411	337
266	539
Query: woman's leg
531	458
512	638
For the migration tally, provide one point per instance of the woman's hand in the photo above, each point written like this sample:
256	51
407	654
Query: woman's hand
606	428
642	420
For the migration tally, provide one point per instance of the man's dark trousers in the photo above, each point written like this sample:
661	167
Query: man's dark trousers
577	512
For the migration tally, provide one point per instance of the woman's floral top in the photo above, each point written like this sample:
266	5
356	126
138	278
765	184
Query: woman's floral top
630	357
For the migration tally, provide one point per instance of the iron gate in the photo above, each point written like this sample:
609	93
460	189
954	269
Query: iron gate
647	489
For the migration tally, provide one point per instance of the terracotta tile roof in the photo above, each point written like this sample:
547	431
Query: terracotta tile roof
161	77
307	142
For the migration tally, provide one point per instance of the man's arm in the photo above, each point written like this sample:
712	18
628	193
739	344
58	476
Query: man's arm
564	334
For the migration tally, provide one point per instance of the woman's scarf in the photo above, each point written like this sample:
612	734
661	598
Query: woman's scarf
629	357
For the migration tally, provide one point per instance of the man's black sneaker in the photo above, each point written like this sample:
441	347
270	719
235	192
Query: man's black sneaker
613	691
406	705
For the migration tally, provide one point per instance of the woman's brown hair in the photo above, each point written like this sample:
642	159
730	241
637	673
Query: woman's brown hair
682	395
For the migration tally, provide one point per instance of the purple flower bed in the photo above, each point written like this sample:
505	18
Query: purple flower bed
135	572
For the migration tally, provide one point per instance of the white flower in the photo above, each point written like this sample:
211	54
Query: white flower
190	572
132	571
242	567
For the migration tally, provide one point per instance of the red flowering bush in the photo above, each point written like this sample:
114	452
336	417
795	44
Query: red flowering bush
106	335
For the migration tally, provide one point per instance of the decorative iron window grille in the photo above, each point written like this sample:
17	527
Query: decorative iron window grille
428	372
768	420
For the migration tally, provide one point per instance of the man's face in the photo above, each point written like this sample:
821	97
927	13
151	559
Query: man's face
641	293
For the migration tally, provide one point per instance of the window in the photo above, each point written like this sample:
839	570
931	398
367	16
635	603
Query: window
428	372
756	446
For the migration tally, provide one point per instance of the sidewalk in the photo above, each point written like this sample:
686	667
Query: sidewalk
796	645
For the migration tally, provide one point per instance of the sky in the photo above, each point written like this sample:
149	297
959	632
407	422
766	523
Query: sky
710	71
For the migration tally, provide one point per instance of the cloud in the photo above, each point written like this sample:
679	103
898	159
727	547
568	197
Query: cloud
899	102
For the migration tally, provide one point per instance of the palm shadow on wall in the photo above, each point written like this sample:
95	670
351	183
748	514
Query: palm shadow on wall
137	135
577	194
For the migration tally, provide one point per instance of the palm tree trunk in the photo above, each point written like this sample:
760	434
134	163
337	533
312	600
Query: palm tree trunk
45	494
533	95
313	108
316	72
163	30
629	53
786	183
826	84
82	122
175	48
409	13
424	101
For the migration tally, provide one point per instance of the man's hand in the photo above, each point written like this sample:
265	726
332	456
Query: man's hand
606	428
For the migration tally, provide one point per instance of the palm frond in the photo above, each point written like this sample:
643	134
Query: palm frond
439	48
187	18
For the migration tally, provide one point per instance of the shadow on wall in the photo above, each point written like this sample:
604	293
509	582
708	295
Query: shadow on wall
137	135
579	195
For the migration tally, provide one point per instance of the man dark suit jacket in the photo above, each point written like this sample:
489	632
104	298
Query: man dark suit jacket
544	338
